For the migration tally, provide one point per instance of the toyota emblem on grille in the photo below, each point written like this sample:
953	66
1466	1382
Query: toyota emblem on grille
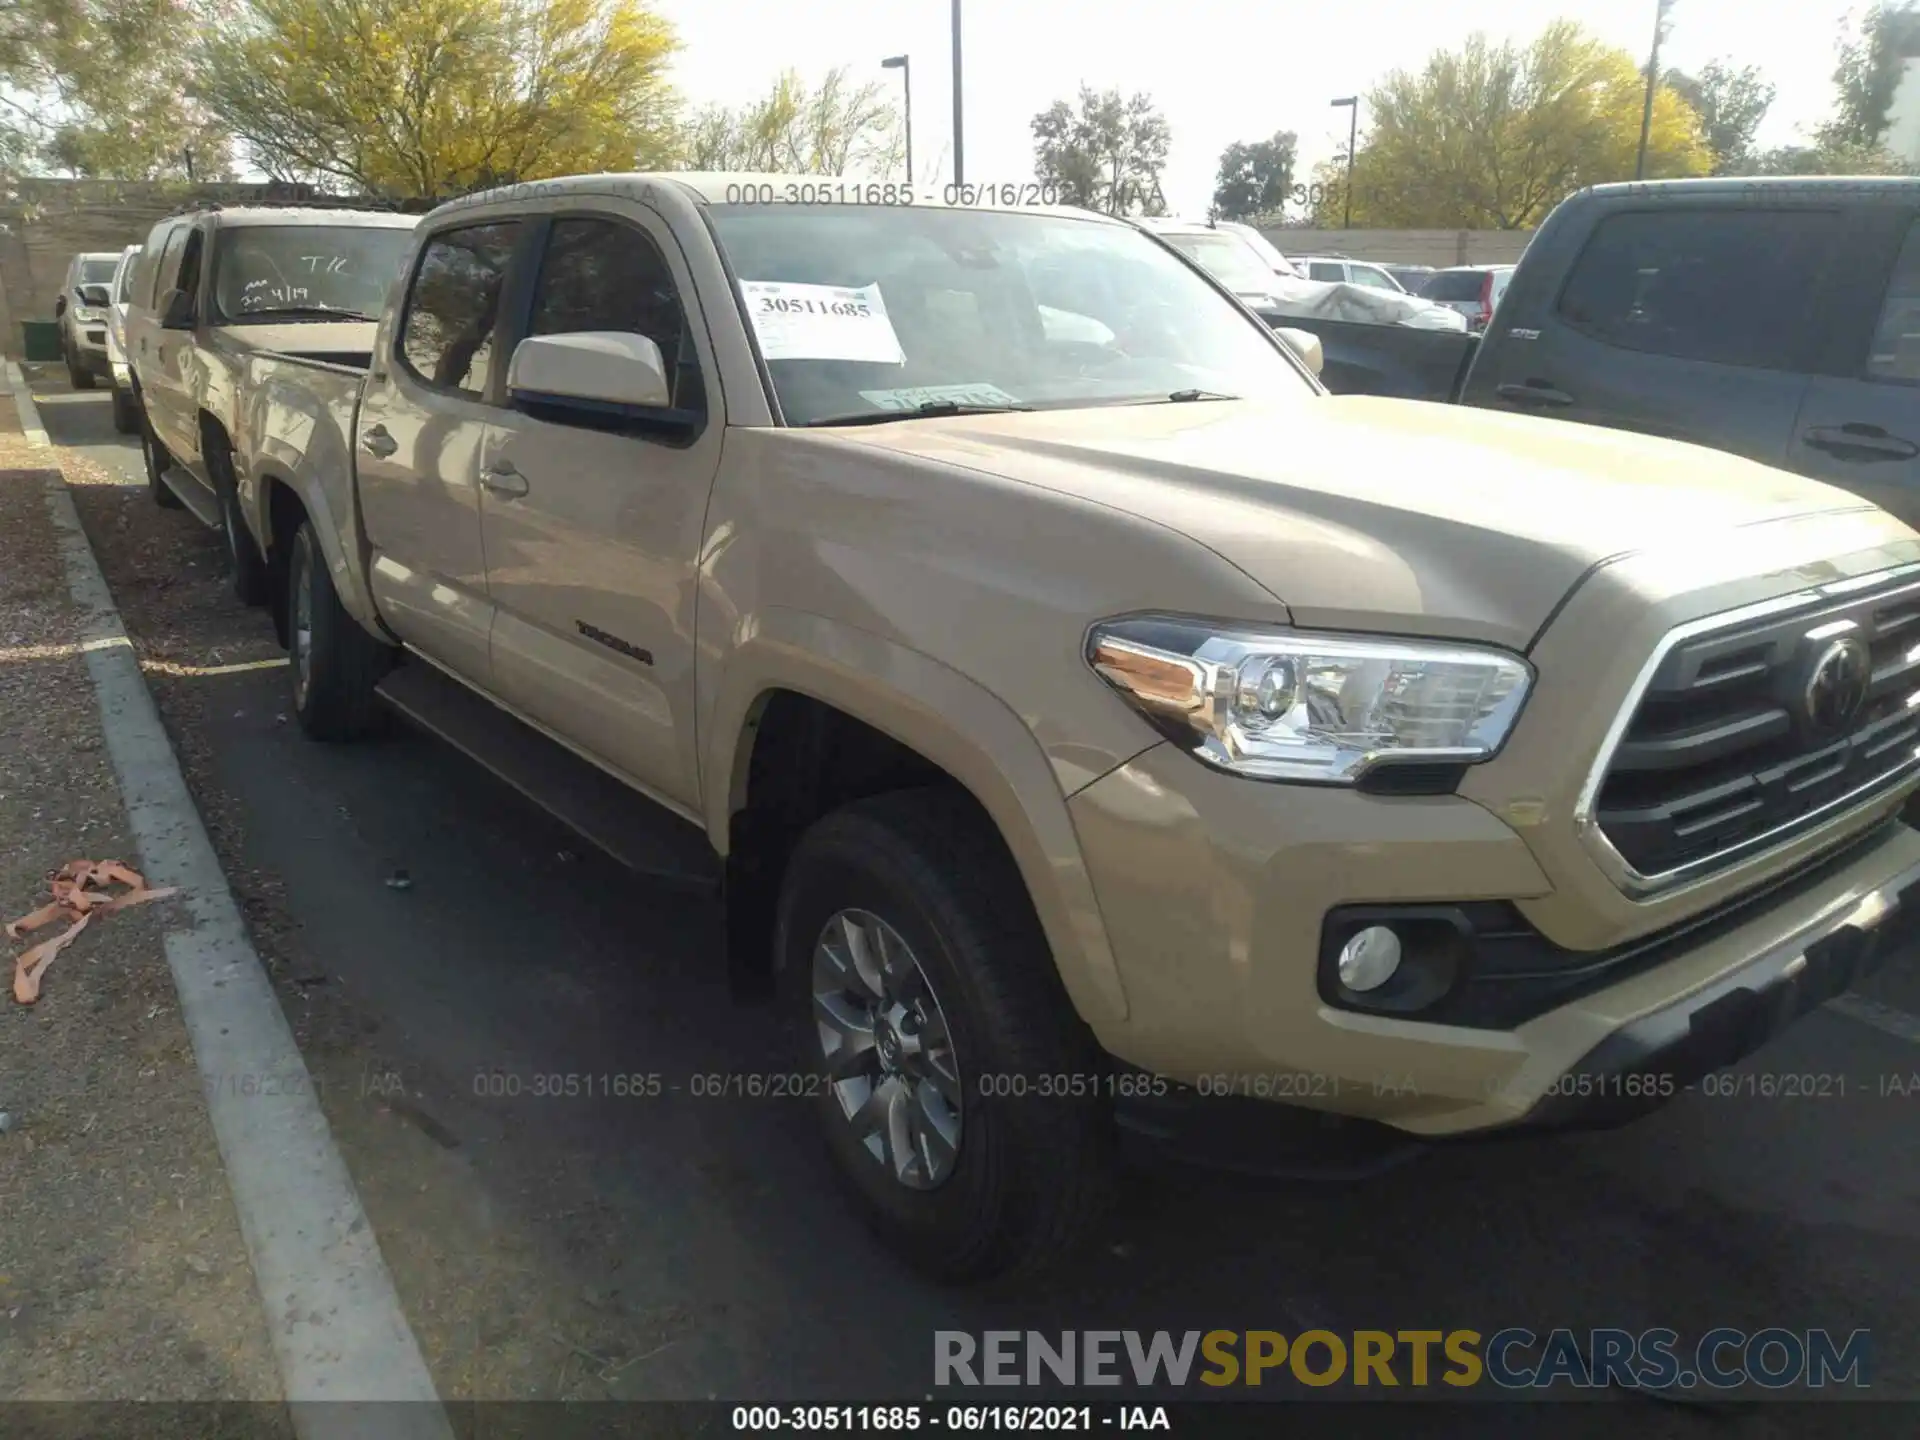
1837	685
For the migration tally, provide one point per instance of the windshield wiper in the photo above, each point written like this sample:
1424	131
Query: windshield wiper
308	312
1182	397
925	411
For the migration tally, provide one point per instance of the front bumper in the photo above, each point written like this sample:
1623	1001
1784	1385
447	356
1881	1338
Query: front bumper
1214	889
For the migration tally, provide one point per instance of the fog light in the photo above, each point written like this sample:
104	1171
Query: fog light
1369	959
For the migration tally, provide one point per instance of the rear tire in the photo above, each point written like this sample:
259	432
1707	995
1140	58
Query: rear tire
76	377
126	415
333	663
1026	1173
157	460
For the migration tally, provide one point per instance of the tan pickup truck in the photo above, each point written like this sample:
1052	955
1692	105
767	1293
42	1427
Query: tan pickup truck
1093	725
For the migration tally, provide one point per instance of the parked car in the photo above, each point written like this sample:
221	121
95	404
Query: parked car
1227	256
1410	278
126	414
1473	290
1342	270
1086	735
1264	247
222	284
80	309
1776	319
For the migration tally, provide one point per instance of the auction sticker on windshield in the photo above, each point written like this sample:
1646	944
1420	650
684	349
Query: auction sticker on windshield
914	396
821	322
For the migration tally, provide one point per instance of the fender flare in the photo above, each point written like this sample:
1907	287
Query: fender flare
255	484
953	722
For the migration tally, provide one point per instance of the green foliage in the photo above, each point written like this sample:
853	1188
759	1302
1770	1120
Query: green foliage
1255	177
796	128
1106	155
1871	62
1731	104
424	99
1493	137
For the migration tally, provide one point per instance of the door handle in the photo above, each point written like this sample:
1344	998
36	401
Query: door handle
501	478
1534	392
377	442
1860	442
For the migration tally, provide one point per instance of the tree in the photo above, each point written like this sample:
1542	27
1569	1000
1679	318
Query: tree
1731	104
1255	177
1872	60
1493	137
1828	156
98	89
811	130
425	99
1107	155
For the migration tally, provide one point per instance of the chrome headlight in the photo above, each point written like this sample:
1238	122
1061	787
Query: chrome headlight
87	316
1292	705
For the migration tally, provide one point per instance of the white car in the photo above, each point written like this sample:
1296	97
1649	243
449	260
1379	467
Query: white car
1472	290
126	415
1264	248
81	311
1342	271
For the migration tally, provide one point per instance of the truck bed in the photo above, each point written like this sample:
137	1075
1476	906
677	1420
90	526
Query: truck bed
1395	360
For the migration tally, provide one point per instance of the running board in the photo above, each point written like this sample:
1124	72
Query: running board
646	838
204	504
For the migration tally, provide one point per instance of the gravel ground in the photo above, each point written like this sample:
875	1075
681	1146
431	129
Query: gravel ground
124	1275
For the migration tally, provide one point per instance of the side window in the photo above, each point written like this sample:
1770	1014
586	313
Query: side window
453	304
602	275
189	277
1732	287
1896	340
169	262
1326	270
1367	275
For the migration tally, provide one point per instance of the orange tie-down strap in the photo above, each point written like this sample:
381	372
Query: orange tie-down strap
79	893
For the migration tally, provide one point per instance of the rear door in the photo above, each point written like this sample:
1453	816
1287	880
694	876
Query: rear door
426	407
167	355
1859	426
593	529
1693	323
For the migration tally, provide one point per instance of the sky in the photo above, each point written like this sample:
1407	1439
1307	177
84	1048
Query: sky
1220	70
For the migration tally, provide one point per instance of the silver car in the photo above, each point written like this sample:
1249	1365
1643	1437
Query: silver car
1473	290
126	414
81	310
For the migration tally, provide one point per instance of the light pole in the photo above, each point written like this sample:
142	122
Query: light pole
899	62
1653	79
959	149
1352	103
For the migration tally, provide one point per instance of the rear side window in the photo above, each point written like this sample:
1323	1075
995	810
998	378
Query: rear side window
453	307
127	272
1378	279
602	275
1896	340
168	262
1454	285
1321	270
1732	287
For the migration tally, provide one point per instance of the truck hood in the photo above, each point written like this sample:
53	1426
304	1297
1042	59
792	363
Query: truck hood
1372	514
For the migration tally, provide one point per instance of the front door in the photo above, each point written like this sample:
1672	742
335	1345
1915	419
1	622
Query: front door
1690	324
417	448
1861	429
593	534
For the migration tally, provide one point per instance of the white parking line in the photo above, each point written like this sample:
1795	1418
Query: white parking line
1880	1017
338	1330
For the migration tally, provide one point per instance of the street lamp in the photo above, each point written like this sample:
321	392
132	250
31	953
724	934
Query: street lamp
899	62
1352	104
1653	78
959	148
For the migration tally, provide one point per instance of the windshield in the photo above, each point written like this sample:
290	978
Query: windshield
1229	259
123	292
98	272
863	310
305	271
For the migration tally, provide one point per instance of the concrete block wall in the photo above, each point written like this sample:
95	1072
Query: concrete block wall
1405	247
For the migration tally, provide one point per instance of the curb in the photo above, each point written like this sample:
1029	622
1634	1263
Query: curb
23	403
338	1330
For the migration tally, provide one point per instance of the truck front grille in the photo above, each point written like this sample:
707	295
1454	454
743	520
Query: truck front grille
1753	727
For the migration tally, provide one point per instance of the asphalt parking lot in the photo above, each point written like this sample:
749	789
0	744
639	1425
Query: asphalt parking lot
439	944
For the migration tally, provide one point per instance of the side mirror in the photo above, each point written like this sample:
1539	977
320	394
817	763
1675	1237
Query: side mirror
176	310
597	370
97	295
1306	346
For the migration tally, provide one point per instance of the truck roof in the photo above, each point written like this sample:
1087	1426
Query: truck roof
1768	187
721	187
251	215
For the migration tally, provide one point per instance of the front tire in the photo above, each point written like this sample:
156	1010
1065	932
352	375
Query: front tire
157	460
959	1095
126	415
333	663
252	585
